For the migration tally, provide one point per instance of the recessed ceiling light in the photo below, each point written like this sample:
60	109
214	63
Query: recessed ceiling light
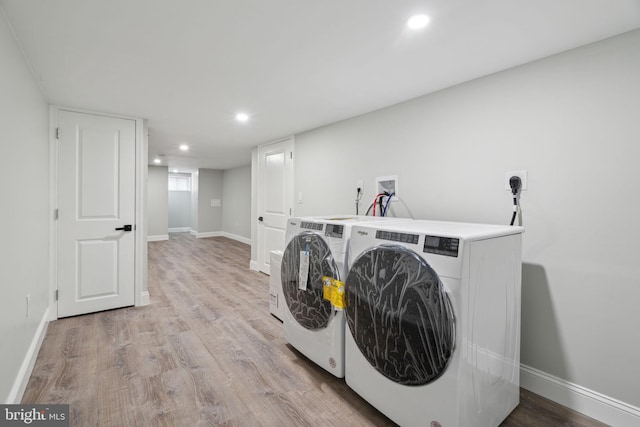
184	147
242	117
418	21
157	161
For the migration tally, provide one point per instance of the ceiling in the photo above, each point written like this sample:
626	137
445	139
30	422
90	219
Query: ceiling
189	66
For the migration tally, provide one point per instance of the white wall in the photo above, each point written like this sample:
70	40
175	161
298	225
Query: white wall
24	212
572	121
209	187
157	201
236	206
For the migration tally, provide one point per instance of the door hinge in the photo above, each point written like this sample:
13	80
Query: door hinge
289	211
56	295
57	133
56	214
291	155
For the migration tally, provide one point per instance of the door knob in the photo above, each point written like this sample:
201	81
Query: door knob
260	219
125	228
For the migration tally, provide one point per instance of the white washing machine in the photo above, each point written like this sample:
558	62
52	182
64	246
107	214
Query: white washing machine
433	321
311	324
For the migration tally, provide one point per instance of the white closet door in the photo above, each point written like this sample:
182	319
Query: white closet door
96	203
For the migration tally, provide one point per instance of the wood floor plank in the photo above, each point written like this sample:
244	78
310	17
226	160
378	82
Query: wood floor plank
206	352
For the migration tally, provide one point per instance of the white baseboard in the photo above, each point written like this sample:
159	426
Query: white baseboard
253	265
588	402
157	238
240	239
194	232
221	234
209	234
179	230
145	299
20	384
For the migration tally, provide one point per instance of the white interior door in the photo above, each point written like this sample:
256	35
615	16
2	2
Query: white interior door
275	197
96	203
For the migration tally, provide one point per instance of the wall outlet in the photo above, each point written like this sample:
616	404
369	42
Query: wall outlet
388	184
523	179
216	203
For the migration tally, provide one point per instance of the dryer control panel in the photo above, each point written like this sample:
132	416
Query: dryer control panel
397	237
334	230
311	225
447	246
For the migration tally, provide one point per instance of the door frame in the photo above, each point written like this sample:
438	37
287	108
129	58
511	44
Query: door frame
258	262
140	263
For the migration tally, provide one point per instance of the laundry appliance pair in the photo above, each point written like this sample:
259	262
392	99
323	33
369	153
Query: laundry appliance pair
432	315
317	247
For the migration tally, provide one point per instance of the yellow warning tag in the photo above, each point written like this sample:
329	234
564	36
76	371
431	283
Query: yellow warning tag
333	291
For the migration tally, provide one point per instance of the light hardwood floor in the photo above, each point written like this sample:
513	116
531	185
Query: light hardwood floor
206	352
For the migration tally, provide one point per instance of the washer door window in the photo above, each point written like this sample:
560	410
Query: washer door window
400	315
308	307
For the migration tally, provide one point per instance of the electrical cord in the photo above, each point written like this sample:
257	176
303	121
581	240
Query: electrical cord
358	198
515	210
515	184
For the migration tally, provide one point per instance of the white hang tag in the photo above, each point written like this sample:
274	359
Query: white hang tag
303	271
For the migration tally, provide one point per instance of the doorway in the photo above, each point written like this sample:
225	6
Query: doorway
275	198
98	228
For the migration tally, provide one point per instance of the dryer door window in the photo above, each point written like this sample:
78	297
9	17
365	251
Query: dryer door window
308	307
400	315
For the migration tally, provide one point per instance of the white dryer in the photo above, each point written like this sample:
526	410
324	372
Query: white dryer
311	324
433	321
